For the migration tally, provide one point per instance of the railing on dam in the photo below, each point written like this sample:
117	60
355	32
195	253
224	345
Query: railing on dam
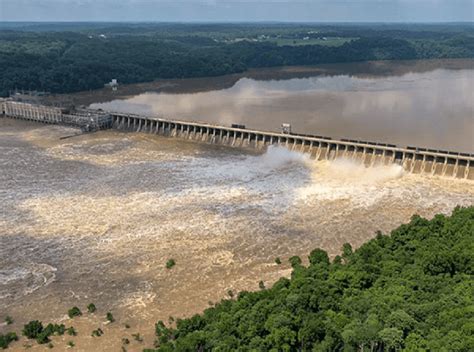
415	160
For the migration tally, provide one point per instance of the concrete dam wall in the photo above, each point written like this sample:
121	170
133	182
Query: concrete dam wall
85	119
413	159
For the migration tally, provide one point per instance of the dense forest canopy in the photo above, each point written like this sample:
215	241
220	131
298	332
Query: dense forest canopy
412	291
63	58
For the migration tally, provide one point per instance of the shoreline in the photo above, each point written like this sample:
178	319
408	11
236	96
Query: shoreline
364	69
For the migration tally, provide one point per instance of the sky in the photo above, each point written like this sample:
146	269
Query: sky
239	10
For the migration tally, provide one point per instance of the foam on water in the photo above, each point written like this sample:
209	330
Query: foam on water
279	178
273	182
25	279
351	171
277	157
344	179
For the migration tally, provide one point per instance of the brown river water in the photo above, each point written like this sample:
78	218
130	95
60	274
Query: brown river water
405	103
94	218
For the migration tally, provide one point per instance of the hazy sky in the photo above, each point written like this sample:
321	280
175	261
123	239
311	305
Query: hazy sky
238	10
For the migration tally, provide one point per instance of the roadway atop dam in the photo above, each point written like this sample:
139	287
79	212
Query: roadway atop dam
413	159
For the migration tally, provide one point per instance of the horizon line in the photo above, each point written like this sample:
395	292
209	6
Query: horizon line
237	22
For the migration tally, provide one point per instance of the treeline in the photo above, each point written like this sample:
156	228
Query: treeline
411	291
63	62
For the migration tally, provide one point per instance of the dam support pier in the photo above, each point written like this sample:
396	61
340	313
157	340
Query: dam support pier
412	159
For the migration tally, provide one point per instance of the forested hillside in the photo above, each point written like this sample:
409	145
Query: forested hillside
412	291
62	58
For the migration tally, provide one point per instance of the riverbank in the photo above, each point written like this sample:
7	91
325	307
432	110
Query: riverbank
194	85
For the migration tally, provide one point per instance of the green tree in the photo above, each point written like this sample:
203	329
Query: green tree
74	312
392	339
170	263
295	261
110	317
318	256
6	339
71	331
91	308
401	320
32	329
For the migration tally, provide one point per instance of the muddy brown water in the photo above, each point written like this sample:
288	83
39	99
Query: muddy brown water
416	103
95	218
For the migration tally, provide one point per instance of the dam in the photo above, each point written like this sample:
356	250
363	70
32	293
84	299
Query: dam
412	159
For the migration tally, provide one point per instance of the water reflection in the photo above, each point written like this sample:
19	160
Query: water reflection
433	109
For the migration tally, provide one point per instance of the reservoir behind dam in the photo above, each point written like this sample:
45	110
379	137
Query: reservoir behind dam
416	103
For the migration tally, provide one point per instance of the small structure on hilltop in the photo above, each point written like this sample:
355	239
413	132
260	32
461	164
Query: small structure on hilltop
113	84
